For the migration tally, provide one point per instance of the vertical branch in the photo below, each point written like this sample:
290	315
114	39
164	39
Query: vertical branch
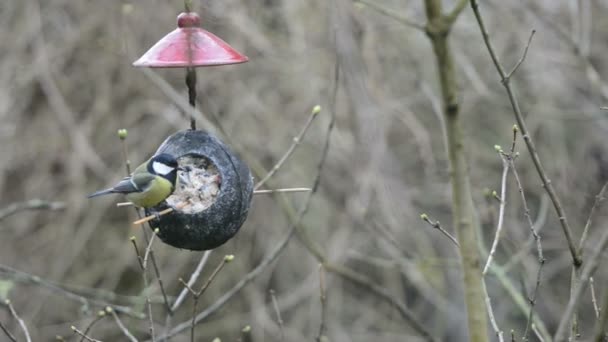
323	300
601	326
438	29
277	310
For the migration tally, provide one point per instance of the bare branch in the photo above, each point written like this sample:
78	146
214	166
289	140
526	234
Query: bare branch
7	333
83	335
593	298
576	259
497	331
391	14
193	277
275	304
274	191
121	326
598	200
34	204
438	226
588	271
501	212
19	320
296	141
523	56
323	300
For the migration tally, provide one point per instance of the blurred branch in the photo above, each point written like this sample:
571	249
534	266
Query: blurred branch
273	191
601	325
323	301
84	335
197	294
277	310
453	15
488	301
100	315
143	264
596	308
11	309
92	296
296	141
505	80
193	277
121	326
539	249
34	204
391	14
599	198
587	271
7	333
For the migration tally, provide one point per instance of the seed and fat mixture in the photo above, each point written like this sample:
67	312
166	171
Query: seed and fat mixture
201	186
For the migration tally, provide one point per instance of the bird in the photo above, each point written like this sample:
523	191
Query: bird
150	184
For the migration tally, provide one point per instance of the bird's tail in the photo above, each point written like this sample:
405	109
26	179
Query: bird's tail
101	193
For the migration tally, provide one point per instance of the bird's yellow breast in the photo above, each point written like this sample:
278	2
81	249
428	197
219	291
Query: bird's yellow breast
158	190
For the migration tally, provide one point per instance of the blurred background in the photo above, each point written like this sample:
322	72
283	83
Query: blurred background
67	86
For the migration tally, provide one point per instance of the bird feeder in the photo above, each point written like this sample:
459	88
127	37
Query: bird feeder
209	207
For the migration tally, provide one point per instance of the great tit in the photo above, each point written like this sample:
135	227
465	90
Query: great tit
150	184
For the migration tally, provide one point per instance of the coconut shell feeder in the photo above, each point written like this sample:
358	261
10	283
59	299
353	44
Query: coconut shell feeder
209	207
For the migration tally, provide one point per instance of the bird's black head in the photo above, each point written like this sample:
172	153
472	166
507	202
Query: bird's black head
164	165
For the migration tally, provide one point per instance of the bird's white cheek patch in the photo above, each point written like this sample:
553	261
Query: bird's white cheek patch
161	168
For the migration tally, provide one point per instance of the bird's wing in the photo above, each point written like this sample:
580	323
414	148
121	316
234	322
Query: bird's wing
135	183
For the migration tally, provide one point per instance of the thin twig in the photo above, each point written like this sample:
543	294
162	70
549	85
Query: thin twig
596	204
275	304
7	333
197	294
121	326
488	302
501	211
193	277
437	226
323	300
296	141
22	325
100	315
274	191
601	325
148	249
163	212
588	271
523	56
453	15
596	308
576	259
539	249
34	204
391	14
91	297
83	335
144	273
537	333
